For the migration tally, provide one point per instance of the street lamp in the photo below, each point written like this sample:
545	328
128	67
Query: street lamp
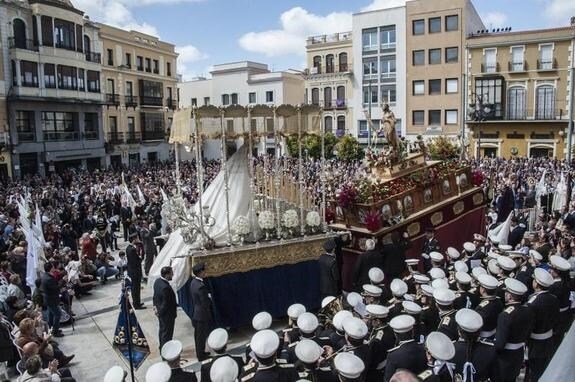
478	113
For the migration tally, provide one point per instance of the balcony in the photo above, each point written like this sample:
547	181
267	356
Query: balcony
115	138
517	67
156	71
65	45
153	135
172	103
546	65
26	136
14	43
112	99
61	136
344	36
490	68
543	114
131	101
91	135
133	137
93	57
343	68
152	101
336	104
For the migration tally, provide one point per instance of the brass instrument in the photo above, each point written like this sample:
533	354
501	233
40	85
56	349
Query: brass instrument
331	309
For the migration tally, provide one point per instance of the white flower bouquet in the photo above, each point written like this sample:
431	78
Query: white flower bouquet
290	219
312	219
241	226
266	220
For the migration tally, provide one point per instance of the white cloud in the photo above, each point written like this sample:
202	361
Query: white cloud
559	11
296	25
383	4
494	19
188	56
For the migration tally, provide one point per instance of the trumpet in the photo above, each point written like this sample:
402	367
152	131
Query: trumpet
331	309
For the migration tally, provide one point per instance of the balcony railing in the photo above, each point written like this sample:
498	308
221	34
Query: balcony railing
112	99
64	45
517	66
171	103
61	136
330	104
91	135
133	137
152	101
153	135
343	68
546	65
489	68
26	136
115	137
544	114
94	57
131	101
15	43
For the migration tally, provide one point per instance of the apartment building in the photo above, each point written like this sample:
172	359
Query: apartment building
328	80
140	94
436	35
379	66
51	84
242	83
519	92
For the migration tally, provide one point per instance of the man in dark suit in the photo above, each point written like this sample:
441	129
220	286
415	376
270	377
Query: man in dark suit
165	305
394	255
516	233
329	275
371	258
430	244
202	317
51	293
135	270
126	218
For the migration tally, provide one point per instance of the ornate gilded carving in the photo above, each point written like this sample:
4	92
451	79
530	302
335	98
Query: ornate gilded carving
458	207
437	218
477	199
413	229
251	257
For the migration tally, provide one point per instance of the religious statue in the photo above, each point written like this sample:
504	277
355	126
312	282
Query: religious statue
387	127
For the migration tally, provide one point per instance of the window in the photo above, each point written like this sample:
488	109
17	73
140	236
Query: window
194	102
81	80
47	31
316	65
252	97
67	77
269	96
129	88
434	56
131	125
148	65
388	94
387	37
366	94
49	76
225	99
128	62
113	125
451	55
328	124
388	66
435	25
546	56
419	57
59	126
79	39
418	27
434	117
369	68
516	103
234	98
490	91
19	30
91	125
341	124
419	87
545	102
64	34
110	57
140	63
87	44
169	69
451	117
327	96
206	101
329	63
29	74
151	93
451	23
110	88
516	64
343	62
315	96
451	85
369	39
340	96
25	126
434	87
14	74
156	67
93	81
363	130
152	125
490	60
418	117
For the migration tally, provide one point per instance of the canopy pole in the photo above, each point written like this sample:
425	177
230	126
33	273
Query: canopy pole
226	175
300	172
199	173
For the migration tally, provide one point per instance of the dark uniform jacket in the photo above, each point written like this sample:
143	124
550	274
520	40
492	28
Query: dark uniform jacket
273	373
201	300
545	307
365	261
164	299
489	309
329	276
178	375
408	355
207	365
134	262
448	325
320	374
382	339
482	355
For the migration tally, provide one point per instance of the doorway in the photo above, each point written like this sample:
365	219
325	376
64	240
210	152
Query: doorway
540	152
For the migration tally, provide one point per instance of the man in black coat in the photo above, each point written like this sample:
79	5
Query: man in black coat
202	317
51	293
126	218
165	305
329	276
516	233
394	255
135	270
371	258
505	203
430	244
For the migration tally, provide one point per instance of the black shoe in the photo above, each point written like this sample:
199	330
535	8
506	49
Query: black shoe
140	307
58	334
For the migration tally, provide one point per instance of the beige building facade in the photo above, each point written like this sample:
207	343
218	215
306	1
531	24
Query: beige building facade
139	77
519	92
436	34
328	80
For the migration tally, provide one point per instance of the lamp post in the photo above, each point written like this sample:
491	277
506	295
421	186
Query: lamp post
479	113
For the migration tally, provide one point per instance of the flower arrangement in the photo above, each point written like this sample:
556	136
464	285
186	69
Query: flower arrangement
290	219
241	226
442	148
373	221
312	219
346	195
266	220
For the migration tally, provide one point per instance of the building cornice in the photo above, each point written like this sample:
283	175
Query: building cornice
488	43
104	36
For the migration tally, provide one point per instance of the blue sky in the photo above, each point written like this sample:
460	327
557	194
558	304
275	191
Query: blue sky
208	32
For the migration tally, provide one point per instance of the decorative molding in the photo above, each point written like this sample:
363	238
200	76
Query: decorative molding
477	199
413	229
437	218
458	207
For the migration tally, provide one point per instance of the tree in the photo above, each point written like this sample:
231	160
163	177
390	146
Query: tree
349	149
311	146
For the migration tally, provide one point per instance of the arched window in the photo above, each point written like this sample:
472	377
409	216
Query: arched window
340	98
341	125
315	96
545	102
19	29
87	44
329	63
516	103
343	62
317	64
327	97
328	124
